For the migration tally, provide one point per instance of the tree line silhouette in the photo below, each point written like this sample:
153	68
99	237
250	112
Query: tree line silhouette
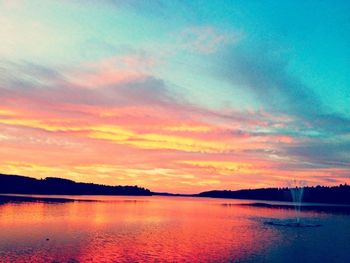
15	184
313	194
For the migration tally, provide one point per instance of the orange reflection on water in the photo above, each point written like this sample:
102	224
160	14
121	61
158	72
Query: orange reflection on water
139	230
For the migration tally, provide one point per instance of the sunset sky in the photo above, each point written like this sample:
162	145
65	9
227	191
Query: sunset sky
178	96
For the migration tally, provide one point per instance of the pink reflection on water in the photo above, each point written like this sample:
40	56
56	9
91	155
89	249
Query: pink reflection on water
135	230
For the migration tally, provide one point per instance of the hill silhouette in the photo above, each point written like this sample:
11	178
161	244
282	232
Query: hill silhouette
15	184
318	194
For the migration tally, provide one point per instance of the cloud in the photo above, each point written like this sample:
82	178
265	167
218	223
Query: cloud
205	39
39	84
144	132
322	154
114	70
321	137
263	71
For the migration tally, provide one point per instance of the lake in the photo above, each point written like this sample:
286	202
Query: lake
166	229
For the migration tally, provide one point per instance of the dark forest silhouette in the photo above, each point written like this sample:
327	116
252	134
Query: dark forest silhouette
15	184
318	194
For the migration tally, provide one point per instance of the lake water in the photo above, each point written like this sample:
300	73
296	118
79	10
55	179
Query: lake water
166	229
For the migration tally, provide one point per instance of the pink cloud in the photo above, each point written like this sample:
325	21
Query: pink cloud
113	71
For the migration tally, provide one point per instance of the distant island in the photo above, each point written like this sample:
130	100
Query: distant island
15	184
318	194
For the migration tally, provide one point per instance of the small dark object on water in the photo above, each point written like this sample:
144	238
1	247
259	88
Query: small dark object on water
47	239
291	224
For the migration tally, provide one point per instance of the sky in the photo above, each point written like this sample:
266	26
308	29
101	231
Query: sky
177	96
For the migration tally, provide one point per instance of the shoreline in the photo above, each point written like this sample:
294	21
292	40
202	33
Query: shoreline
267	204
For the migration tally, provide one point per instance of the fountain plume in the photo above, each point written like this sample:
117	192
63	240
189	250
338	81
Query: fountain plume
297	191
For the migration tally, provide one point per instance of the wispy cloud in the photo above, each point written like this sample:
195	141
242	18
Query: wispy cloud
323	136
205	39
263	70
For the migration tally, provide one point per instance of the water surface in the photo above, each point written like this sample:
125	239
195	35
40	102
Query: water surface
165	229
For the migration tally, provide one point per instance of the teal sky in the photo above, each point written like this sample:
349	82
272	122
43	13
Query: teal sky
185	40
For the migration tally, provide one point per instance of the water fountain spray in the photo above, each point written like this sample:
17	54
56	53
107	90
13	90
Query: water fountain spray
297	191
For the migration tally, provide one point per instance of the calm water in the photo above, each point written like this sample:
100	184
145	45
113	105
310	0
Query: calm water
165	229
